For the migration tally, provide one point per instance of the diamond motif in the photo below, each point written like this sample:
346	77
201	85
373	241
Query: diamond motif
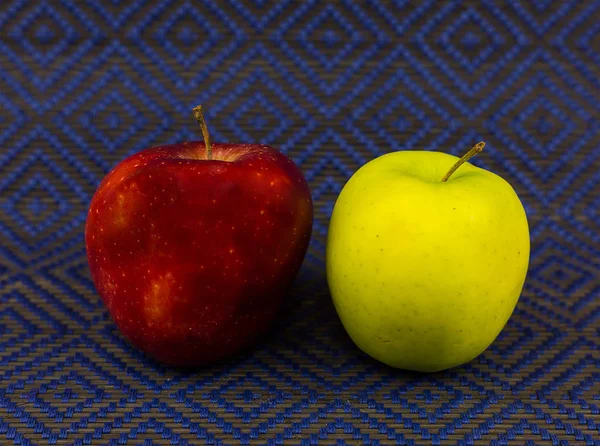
261	103
327	158
518	352
395	121
190	28
330	19
118	143
53	34
468	29
505	43
404	135
579	122
561	275
427	407
41	220
215	23
256	395
112	138
574	41
58	395
543	124
560	271
298	43
260	113
51	48
42	177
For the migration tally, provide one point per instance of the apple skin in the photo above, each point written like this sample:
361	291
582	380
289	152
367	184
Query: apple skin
424	274
192	257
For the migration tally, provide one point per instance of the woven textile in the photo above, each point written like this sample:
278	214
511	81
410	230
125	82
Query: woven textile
333	85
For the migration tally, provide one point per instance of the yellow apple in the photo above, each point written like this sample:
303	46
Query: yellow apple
426	258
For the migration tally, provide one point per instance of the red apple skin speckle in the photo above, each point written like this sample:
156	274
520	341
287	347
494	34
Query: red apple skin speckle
193	257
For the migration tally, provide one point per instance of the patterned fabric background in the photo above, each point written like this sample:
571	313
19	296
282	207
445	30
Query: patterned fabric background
332	84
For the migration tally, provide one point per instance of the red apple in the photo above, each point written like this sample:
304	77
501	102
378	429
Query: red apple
193	246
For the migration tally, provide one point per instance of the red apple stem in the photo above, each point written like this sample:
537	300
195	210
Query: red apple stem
199	115
466	157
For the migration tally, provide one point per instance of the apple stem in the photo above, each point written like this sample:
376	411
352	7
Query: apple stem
200	118
466	157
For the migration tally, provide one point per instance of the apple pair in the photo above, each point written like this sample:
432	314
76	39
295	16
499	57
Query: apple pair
193	246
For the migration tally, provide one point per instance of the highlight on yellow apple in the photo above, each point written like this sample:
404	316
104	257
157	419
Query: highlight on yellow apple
426	258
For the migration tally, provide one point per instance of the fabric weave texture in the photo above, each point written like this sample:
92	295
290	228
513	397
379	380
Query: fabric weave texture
332	85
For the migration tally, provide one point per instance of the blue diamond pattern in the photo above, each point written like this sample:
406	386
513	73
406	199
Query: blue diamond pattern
138	116
561	275
162	12
564	277
303	37
258	106
493	40
546	88
272	399
69	46
39	236
496	46
48	55
37	181
113	120
333	85
202	37
411	122
401	107
327	18
574	44
565	124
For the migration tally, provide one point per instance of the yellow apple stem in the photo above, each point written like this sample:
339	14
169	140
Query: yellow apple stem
200	118
466	157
